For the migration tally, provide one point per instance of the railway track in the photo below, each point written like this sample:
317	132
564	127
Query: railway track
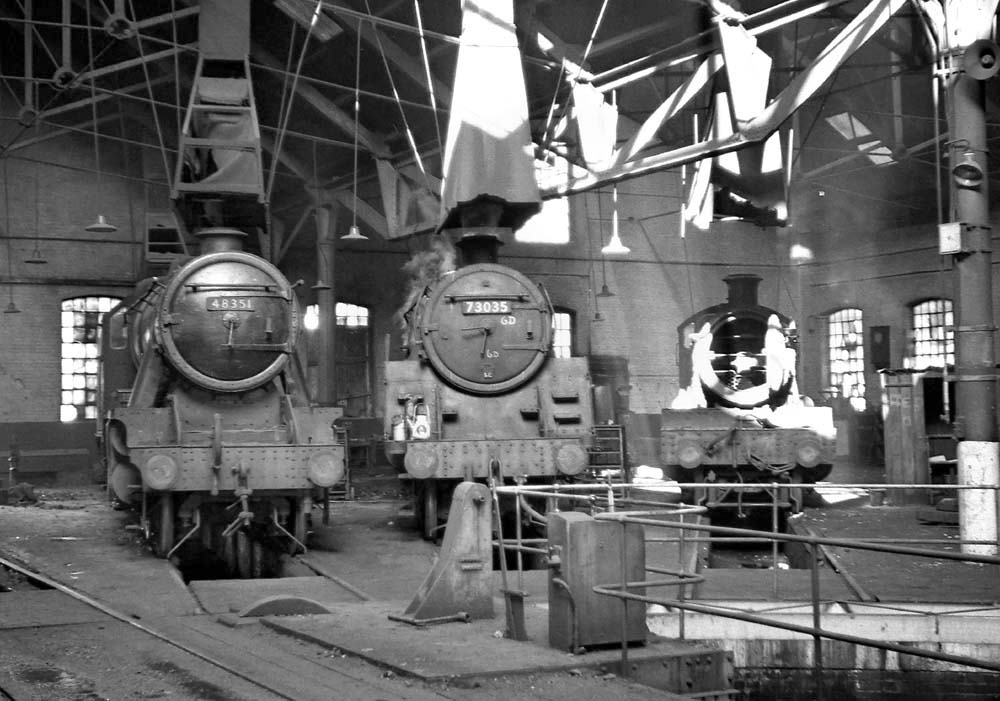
104	653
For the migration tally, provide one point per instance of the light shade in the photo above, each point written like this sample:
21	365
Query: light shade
101	226
11	308
36	258
355	234
967	173
605	292
615	246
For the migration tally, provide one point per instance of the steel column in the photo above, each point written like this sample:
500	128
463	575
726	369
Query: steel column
326	390
975	356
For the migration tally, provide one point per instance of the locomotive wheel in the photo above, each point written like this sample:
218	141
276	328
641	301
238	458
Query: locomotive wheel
165	528
427	506
229	552
244	554
256	559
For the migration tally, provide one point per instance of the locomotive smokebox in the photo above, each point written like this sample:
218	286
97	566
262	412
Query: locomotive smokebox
218	240
478	244
742	289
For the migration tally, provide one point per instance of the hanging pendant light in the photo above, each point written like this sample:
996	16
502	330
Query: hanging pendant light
101	226
615	245
11	307
354	233
36	255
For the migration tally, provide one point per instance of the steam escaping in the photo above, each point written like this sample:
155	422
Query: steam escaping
424	269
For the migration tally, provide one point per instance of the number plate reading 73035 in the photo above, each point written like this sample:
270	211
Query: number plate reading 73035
485	306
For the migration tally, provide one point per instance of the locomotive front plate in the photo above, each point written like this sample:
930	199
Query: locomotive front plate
487	329
228	321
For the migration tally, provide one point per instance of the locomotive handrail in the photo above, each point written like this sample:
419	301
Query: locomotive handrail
271	290
506	295
155	284
269	347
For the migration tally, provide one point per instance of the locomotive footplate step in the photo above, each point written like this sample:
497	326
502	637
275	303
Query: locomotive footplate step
462	650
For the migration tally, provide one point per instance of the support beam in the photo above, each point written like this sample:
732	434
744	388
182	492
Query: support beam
800	89
326	380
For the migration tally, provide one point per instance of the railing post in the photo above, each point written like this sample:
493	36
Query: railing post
817	639
774	544
623	547
682	589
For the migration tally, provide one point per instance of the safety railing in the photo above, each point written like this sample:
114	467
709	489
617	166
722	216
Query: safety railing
613	502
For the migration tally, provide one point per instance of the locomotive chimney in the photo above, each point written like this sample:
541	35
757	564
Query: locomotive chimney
480	231
220	239
479	245
742	289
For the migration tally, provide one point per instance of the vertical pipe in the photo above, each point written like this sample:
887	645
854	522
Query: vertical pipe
67	50
29	58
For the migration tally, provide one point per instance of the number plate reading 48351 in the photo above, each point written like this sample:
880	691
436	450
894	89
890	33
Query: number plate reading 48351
229	304
485	306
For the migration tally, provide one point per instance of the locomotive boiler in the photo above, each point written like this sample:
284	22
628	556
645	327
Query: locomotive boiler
206	423
479	395
738	417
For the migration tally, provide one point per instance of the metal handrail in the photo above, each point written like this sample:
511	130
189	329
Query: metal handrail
620	590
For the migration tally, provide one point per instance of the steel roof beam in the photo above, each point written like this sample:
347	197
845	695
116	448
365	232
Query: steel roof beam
793	96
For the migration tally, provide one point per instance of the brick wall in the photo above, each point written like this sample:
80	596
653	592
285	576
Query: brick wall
660	282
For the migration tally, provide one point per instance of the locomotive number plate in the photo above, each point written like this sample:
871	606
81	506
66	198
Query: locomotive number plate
485	306
229	304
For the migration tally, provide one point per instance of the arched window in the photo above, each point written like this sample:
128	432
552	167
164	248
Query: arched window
933	334
562	334
81	323
351	315
846	353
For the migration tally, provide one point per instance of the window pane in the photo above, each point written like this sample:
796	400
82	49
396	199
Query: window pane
933	334
351	314
562	335
81	323
847	356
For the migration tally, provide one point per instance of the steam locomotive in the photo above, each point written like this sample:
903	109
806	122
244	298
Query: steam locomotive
479	395
205	420
739	417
